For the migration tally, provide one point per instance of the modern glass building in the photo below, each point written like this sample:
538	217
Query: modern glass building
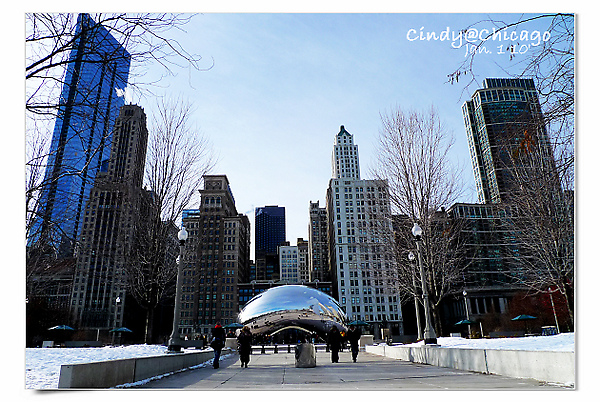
501	119
270	229
97	72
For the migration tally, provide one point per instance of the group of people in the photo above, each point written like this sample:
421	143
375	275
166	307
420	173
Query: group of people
335	341
244	339
244	344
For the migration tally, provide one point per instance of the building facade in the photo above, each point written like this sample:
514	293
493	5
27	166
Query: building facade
503	119
361	241
115	208
216	259
288	264
269	223
318	247
97	69
303	258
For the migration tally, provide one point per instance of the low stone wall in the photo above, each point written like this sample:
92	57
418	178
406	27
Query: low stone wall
111	373
558	367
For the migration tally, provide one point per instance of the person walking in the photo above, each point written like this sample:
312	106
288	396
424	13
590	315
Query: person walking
333	340
353	336
245	345
217	343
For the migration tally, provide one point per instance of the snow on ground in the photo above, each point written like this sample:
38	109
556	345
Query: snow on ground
42	365
556	343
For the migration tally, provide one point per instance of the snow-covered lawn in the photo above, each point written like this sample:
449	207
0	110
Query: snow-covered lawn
42	365
556	343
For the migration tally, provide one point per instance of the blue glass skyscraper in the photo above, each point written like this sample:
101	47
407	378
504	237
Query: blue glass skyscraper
97	72
270	229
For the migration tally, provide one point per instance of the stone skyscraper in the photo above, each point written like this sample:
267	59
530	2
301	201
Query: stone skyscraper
318	250
361	241
217	259
116	205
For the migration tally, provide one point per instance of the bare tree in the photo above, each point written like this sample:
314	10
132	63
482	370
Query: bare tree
541	200
413	156
542	219
178	157
552	66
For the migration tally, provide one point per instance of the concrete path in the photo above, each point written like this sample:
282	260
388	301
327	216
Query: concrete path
371	372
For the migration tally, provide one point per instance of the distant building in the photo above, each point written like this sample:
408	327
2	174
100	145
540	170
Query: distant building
303	258
288	264
269	223
116	206
217	259
97	68
270	229
361	253
318	248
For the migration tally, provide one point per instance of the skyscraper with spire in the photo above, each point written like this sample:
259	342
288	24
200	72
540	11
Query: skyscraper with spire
360	241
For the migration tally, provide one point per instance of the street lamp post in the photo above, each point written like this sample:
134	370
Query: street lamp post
467	310
411	257
429	335
175	339
115	322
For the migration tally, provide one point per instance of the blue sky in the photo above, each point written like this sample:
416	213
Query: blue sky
282	84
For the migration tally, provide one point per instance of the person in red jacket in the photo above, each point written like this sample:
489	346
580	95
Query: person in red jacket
217	343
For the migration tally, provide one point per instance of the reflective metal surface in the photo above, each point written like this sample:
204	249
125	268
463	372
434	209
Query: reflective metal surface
292	306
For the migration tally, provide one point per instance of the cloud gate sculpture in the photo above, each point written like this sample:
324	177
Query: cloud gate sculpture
292	306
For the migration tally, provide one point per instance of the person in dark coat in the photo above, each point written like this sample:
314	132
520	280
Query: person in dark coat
245	346
217	343
333	340
353	336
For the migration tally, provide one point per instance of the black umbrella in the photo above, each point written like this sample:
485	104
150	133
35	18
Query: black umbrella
359	323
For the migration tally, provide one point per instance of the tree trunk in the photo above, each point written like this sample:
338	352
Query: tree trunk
148	335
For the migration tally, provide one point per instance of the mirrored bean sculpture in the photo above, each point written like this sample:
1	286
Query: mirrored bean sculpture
292	306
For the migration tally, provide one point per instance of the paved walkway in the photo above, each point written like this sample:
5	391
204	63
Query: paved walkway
371	372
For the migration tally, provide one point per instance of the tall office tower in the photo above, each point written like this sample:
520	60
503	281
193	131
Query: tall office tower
502	119
303	272
270	228
361	241
116	206
288	264
216	259
318	249
269	223
98	67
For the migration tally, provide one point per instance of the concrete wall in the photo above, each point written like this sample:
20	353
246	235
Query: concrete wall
556	367
111	373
